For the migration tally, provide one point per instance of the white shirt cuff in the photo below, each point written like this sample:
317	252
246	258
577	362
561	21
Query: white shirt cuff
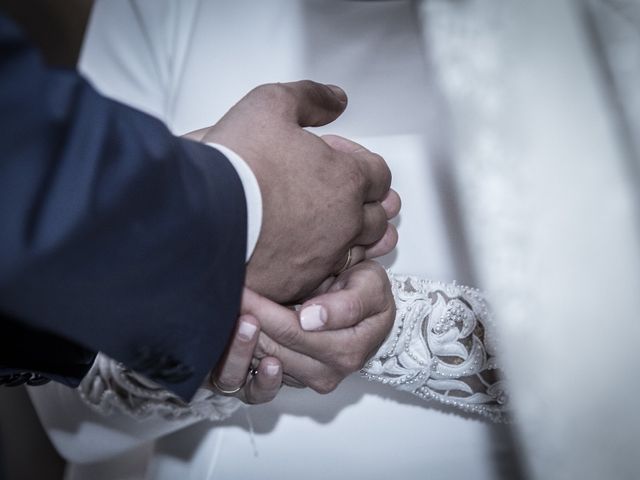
251	193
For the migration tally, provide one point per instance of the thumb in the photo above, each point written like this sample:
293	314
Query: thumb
357	294
278	322
307	103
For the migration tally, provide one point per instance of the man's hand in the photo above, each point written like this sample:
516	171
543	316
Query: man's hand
350	322
320	196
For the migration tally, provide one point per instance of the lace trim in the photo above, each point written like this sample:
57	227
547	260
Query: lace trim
442	347
111	387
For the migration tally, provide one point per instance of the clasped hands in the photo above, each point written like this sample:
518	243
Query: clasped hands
327	203
358	313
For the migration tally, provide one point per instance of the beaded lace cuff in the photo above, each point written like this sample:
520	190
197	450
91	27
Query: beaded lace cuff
441	347
110	386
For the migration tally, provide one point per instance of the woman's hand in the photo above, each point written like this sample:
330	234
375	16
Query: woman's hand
333	335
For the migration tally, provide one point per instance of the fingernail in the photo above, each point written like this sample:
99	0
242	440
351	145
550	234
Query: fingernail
272	370
313	317
246	331
338	92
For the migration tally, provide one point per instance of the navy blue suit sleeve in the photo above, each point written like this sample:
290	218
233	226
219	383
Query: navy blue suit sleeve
115	235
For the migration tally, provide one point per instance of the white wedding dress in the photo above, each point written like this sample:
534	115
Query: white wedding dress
435	88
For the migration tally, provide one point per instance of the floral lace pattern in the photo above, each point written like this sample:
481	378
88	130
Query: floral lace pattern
110	386
442	347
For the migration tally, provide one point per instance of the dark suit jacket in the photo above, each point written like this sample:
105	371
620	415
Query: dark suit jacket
115	235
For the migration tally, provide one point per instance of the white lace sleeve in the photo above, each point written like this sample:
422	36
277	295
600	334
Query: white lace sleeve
110	386
441	347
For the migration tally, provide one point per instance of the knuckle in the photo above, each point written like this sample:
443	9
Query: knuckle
354	183
386	176
360	221
357	226
380	281
326	385
363	177
307	84
272	93
376	157
384	170
266	348
324	379
283	92
381	215
258	92
391	238
289	334
354	308
313	90
354	175
379	223
354	362
377	279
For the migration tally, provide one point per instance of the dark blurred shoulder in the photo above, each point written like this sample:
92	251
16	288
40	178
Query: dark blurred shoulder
56	27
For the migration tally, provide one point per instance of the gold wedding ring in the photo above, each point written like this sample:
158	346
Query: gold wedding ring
222	390
347	263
